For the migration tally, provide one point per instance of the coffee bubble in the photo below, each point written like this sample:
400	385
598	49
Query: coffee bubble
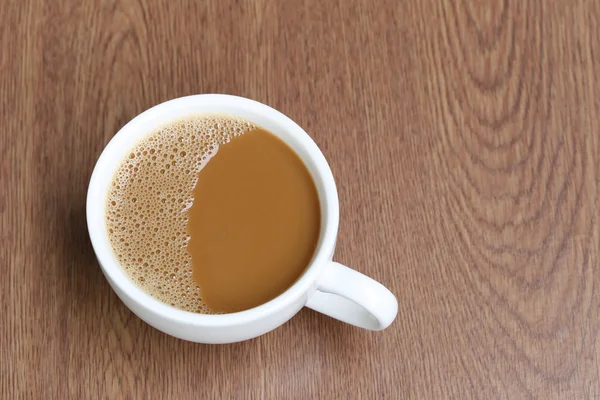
148	200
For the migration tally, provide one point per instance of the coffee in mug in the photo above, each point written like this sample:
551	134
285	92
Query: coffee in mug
213	214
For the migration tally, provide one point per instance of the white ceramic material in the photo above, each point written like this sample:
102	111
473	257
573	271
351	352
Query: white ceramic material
325	286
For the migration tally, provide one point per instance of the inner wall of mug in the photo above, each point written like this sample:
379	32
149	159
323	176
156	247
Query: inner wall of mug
261	115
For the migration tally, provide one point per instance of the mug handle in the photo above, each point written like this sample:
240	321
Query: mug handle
349	296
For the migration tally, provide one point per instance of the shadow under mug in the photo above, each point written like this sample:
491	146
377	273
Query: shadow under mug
325	286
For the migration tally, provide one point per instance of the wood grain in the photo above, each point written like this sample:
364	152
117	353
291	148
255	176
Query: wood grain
465	140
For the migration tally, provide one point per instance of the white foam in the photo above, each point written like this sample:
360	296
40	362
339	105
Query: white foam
148	202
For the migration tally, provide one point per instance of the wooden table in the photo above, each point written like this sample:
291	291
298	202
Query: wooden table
464	137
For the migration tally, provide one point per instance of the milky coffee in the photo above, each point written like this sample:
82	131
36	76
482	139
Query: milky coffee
212	214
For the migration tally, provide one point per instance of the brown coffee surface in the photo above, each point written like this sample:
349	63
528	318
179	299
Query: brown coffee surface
254	224
211	214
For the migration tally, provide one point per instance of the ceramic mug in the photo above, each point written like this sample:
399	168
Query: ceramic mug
325	286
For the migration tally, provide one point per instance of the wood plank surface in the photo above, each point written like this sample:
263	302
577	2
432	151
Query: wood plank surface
464	136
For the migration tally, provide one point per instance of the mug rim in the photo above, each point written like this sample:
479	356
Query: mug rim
163	113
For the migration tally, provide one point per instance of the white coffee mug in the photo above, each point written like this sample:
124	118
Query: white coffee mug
325	286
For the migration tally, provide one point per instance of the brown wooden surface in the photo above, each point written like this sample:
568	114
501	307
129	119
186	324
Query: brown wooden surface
464	137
